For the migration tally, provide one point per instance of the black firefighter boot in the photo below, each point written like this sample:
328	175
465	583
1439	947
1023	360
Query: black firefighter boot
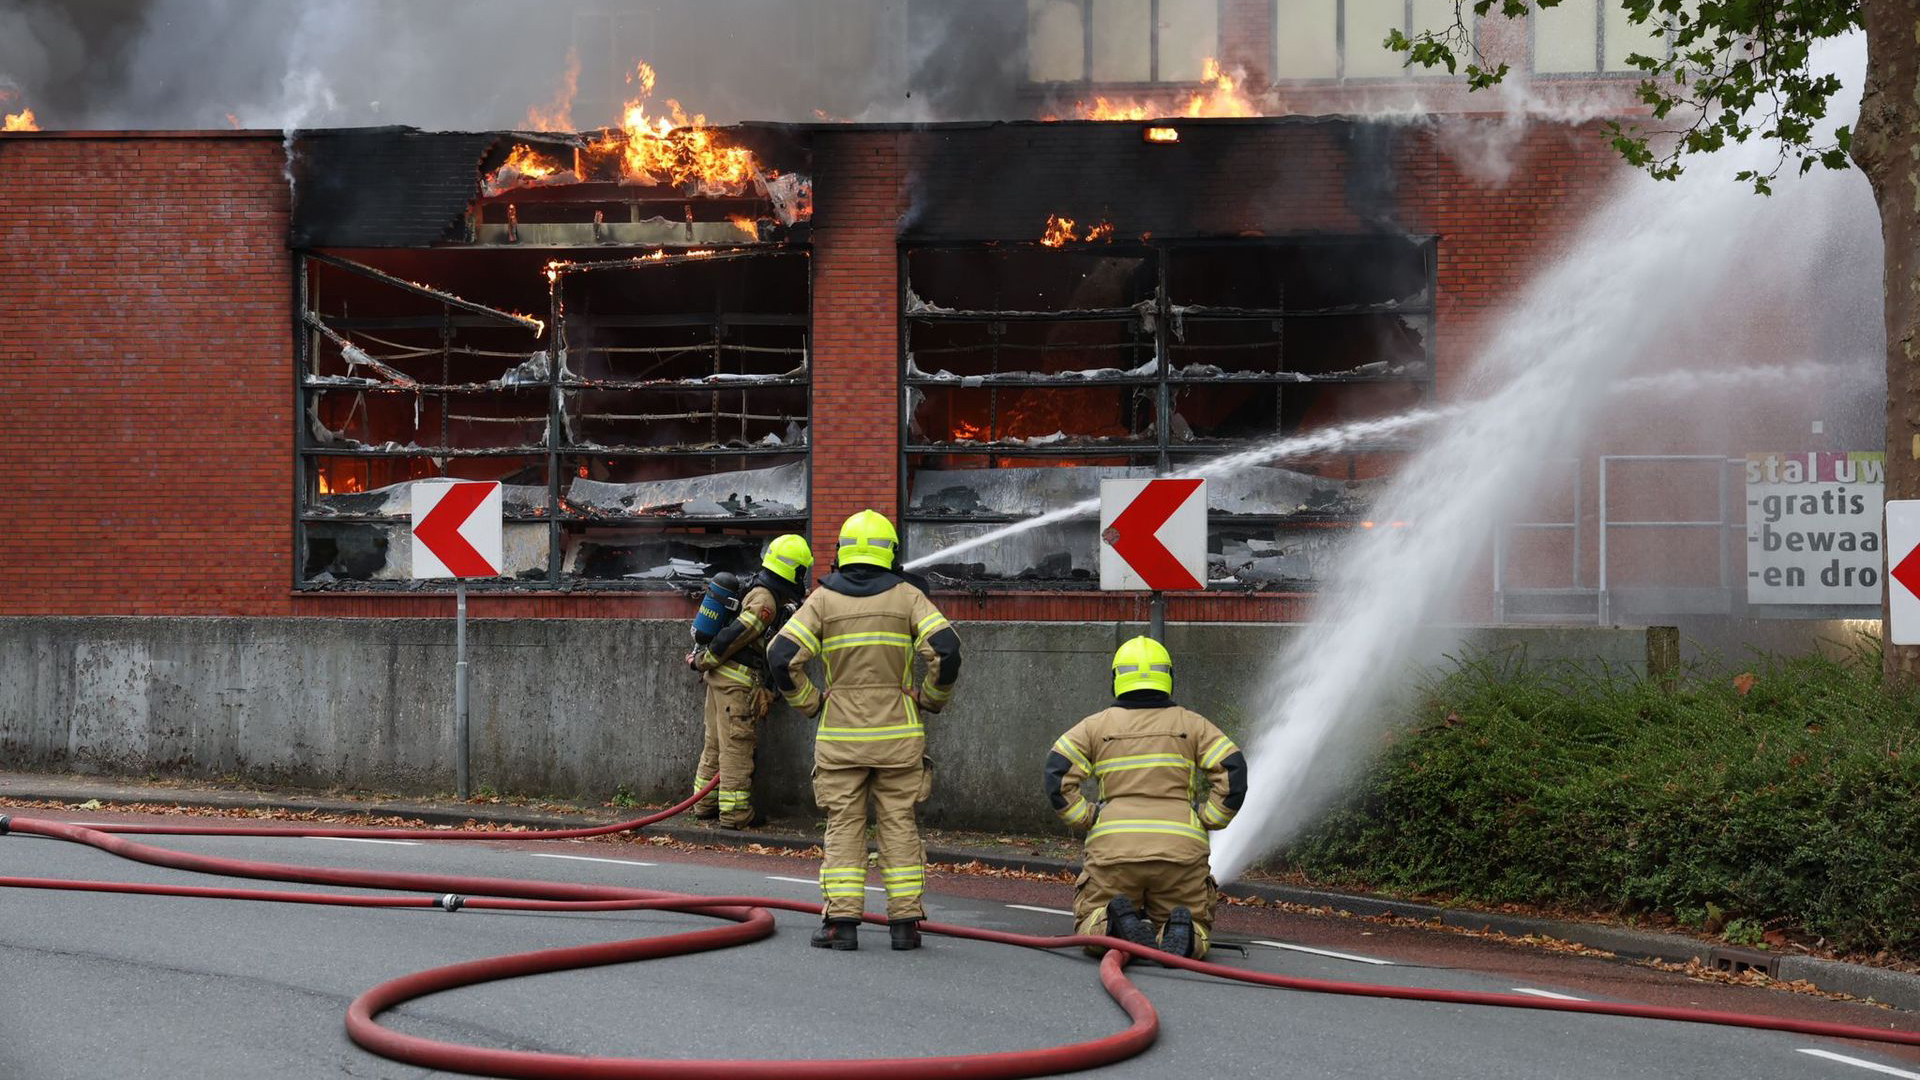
839	934
1127	924
1177	936
905	933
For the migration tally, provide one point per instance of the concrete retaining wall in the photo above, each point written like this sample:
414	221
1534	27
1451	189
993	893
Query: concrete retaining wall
572	708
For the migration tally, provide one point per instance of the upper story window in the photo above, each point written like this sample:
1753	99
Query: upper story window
1344	39
1121	41
1590	37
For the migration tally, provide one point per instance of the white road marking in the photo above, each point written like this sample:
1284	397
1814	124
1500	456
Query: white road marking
1874	1066
1546	994
814	882
587	858
1325	952
1041	910
367	840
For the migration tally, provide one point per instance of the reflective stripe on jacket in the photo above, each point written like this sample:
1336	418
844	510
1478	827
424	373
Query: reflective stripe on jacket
867	644
1147	779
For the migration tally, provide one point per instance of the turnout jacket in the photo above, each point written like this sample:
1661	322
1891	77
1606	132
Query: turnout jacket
1147	778
717	662
865	624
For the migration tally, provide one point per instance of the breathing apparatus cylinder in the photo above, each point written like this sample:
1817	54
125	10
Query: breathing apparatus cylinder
717	607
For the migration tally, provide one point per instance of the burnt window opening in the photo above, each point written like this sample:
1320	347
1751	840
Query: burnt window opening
1034	372
648	417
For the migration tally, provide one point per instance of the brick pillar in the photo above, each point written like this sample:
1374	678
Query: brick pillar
1246	39
859	194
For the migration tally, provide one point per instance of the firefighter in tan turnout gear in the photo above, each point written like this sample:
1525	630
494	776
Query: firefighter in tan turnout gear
1148	780
732	666
865	622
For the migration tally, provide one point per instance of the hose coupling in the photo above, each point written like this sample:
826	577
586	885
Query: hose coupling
6	823
452	902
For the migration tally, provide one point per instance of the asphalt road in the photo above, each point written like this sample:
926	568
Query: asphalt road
100	987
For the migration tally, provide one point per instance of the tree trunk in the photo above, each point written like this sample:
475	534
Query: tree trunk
1886	146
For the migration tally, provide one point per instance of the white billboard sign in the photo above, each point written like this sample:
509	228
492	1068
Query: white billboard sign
1813	527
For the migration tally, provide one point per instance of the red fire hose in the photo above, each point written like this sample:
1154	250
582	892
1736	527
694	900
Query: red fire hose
749	921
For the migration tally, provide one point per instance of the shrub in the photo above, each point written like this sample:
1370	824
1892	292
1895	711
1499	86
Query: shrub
1795	803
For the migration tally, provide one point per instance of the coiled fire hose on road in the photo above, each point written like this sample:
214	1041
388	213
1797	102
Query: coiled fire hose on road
749	920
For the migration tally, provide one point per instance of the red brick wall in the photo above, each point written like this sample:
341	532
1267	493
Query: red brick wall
141	281
142	276
859	185
146	388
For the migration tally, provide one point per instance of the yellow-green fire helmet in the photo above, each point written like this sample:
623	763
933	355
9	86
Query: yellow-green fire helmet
868	537
1142	664
788	556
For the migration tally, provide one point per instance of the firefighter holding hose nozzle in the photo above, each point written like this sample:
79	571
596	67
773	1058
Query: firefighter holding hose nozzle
1147	779
731	657
865	622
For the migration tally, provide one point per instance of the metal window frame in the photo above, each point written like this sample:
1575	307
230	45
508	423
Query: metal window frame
1153	80
554	446
1163	382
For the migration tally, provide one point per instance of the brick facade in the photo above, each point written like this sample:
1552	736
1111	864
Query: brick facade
143	276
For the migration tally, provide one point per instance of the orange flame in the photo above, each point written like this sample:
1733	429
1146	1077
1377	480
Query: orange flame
1064	230
967	432
1220	95
676	149
558	114
531	164
344	484
20	121
745	224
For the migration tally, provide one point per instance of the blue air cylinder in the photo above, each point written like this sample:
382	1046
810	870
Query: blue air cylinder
716	607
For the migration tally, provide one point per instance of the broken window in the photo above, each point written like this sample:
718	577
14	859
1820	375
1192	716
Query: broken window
648	417
1034	371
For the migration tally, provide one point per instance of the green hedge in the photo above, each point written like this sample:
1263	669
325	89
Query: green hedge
1795	805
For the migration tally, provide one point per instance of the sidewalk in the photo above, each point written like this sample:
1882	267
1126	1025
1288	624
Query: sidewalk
1896	988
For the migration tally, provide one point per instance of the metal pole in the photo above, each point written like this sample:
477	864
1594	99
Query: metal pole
460	692
1157	617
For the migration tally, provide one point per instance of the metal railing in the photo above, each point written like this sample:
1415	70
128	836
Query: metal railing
1601	592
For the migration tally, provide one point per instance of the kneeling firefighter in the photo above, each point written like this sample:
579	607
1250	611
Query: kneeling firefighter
732	664
1149	762
865	622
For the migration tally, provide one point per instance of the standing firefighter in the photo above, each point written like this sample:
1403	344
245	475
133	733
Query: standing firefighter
1150	761
865	622
732	667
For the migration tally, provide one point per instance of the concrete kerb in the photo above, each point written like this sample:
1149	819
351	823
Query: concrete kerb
1896	988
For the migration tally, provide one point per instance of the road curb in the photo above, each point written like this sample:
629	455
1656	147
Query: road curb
1896	988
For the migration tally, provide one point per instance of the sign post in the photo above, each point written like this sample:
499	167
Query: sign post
457	534
1153	535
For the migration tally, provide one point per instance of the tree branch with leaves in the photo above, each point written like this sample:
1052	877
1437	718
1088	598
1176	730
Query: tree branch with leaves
1725	57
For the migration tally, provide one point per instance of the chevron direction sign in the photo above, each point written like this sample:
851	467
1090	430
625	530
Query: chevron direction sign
1153	534
456	529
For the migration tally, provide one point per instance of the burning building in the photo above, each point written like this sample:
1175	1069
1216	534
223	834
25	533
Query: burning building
227	354
673	341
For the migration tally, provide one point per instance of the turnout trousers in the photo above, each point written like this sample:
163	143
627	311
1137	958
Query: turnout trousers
1156	887
844	792
727	752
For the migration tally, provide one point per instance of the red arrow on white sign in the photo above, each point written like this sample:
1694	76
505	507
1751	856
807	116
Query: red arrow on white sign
456	529
1903	561
1153	534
